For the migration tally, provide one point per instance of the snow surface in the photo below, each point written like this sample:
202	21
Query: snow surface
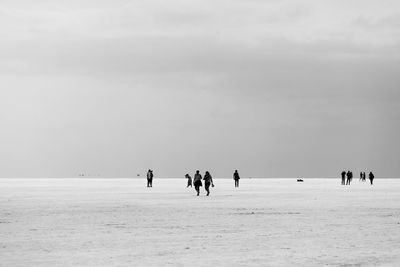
266	222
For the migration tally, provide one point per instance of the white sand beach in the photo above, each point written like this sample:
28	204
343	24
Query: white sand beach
266	222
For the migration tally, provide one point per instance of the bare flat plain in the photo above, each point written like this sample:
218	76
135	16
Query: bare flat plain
265	222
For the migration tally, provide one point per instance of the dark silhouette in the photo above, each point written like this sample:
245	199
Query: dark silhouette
364	177
189	182
371	177
300	180
207	182
349	177
236	177
343	177
150	178
197	182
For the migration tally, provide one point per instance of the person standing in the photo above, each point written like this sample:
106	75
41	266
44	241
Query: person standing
236	177
348	178
343	177
148	177
207	182
371	177
197	182
189	182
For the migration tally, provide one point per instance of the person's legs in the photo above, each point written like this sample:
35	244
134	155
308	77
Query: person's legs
197	189
207	186
148	183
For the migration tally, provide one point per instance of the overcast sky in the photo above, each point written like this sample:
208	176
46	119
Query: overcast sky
273	88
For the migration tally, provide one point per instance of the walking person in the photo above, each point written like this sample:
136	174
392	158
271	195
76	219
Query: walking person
189	182
371	177
236	177
207	182
361	176
197	182
343	177
364	176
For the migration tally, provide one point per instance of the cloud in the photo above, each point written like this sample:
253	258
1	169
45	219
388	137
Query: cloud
281	82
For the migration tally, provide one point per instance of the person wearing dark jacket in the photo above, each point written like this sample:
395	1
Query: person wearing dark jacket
343	177
197	182
349	177
371	177
150	178
236	177
207	182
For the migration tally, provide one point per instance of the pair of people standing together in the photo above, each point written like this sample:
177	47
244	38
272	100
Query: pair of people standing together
208	181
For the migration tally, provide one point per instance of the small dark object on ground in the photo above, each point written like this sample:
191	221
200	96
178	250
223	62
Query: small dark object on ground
300	180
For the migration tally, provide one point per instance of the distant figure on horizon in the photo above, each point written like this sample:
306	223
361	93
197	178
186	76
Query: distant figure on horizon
189	182
371	177
343	177
236	177
349	177
197	182
150	178
207	182
364	177
361	176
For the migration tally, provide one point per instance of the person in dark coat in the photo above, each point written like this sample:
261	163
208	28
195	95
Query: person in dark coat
348	178
343	177
207	182
197	182
371	177
149	178
236	177
189	182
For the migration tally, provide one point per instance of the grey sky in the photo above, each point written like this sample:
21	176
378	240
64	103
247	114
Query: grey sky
272	88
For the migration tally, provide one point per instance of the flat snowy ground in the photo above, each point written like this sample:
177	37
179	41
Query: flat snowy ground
120	222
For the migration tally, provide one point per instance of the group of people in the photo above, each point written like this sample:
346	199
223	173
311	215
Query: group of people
347	177
207	181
